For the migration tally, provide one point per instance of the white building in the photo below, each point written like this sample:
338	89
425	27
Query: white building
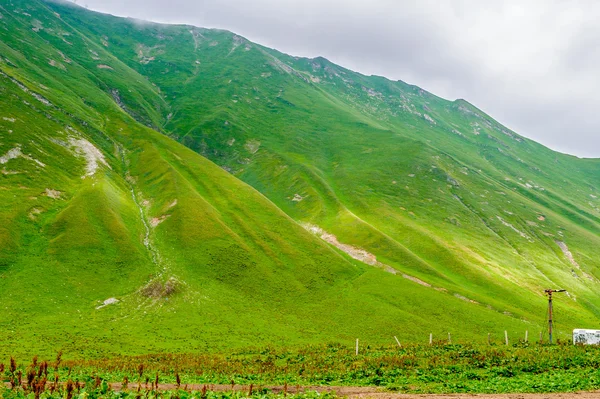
586	337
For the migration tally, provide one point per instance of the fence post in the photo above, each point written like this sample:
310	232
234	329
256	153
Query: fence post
506	337
449	339
489	341
526	335
430	338
356	346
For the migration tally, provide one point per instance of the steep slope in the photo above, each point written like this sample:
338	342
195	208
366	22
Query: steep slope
435	189
115	238
468	221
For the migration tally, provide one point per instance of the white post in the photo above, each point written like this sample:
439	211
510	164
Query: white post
398	342
356	346
526	335
506	337
430	338
449	339
489	340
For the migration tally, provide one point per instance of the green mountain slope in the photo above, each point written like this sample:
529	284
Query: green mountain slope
370	208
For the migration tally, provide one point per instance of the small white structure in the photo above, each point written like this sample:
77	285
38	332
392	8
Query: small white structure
586	337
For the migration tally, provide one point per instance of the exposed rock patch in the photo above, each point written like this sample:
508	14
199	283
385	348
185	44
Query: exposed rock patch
7	172
237	41
34	212
94	55
92	155
565	249
37	25
429	119
252	146
370	259
56	64
65	58
416	280
107	302
358	253
513	228
354	252
196	35
11	154
569	255
278	64
54	194
17	153
148	54
157	289
464	298
21	86
156	221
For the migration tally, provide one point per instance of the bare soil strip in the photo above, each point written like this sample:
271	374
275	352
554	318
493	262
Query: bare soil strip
355	392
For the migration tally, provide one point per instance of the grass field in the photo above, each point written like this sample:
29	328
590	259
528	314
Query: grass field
437	368
435	189
172	189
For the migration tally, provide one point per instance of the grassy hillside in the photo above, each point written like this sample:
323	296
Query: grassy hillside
219	194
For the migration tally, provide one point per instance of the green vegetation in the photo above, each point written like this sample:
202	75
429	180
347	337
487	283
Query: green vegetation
172	189
440	368
103	390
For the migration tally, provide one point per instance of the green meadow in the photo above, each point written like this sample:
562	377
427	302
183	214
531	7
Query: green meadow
181	190
327	371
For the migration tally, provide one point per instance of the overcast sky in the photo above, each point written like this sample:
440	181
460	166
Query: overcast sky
532	65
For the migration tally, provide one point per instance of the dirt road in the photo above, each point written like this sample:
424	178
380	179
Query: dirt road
365	392
377	393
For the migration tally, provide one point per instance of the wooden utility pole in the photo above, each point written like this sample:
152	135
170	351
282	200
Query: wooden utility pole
550	310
